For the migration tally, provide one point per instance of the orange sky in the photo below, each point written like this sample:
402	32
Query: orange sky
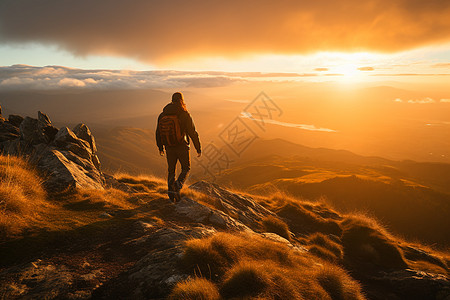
158	32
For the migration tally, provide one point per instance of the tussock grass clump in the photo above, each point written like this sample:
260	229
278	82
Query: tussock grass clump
247	266
338	284
325	247
365	240
276	225
195	289
22	196
213	255
303	220
303	216
259	279
141	183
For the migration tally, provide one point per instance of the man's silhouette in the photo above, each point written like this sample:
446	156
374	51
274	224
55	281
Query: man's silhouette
175	127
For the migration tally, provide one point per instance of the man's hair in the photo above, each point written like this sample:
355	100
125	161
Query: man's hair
179	99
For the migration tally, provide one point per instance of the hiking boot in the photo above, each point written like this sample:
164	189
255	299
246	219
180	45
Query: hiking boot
173	196
177	188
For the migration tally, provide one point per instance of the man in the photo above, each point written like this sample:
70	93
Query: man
175	127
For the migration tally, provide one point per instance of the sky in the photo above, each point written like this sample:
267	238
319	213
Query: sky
348	63
358	39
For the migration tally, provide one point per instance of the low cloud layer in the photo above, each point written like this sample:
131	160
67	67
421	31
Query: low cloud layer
57	77
426	100
158	31
308	127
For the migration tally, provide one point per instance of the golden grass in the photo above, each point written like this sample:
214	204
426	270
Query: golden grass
146	179
338	284
247	266
325	247
99	199
25	207
22	197
276	225
195	289
366	240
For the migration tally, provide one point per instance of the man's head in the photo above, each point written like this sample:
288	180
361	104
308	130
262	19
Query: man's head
177	97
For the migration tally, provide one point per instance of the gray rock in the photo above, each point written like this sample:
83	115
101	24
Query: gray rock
15	120
64	173
247	211
43	120
31	133
8	131
83	132
156	273
202	214
413	284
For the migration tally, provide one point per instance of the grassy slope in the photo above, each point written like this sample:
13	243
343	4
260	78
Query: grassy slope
75	225
411	199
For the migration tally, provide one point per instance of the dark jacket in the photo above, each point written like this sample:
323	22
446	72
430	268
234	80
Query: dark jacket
186	125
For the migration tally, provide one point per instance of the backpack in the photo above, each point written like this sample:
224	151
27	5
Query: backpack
170	130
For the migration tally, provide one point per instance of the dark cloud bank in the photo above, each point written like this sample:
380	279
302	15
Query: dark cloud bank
154	30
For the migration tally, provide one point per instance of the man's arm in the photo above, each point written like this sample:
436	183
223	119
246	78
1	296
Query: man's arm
158	138
193	134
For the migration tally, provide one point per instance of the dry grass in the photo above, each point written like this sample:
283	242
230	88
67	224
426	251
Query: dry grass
99	200
325	247
142	183
22	197
25	207
246	266
275	225
338	284
302	216
195	289
365	240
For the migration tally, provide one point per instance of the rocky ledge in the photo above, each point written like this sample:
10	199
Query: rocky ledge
67	158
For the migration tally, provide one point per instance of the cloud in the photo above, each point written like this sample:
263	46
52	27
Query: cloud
426	100
321	69
441	65
71	82
18	77
159	31
366	69
248	115
445	100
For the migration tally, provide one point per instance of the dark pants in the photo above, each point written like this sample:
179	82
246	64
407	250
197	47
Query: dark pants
175	154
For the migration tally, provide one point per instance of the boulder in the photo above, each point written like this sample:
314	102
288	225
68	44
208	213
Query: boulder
31	133
15	120
413	284
242	207
202	214
8	131
157	272
83	132
43	120
66	172
68	160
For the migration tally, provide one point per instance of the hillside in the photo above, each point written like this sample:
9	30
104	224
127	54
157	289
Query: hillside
411	198
79	233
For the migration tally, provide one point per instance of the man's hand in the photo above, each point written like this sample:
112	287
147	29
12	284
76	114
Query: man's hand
161	152
199	154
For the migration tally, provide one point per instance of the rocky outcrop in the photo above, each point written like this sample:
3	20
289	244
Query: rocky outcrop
68	159
243	208
157	272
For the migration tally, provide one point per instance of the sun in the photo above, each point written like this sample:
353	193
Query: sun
347	70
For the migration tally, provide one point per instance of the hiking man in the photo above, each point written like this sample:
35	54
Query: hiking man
175	127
